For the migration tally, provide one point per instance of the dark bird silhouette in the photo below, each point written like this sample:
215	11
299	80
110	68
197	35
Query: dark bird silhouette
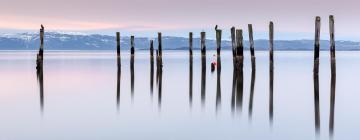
42	27
216	27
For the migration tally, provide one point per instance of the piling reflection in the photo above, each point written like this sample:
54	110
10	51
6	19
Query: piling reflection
151	67
233	86
159	73
218	83
118	83
271	97
203	79
132	75
252	86
151	75
239	84
40	78
190	80
332	97
316	97
39	68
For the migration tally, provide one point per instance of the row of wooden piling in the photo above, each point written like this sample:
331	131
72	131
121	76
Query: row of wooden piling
316	74
238	55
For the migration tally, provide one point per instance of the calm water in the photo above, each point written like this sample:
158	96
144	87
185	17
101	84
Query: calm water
80	99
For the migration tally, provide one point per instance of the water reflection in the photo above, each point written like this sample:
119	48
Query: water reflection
237	85
40	78
332	96
218	83
118	84
203	79
190	80
233	86
132	79
159	73
316	95
271	97
252	86
151	67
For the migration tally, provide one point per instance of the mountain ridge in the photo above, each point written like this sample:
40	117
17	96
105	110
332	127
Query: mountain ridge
79	41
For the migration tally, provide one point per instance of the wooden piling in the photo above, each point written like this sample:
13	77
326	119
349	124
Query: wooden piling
41	51
132	42
239	43
118	48
271	41
191	43
233	44
317	44
160	44
39	68
151	48
333	76
271	49
151	67
218	41
202	40
251	41
332	36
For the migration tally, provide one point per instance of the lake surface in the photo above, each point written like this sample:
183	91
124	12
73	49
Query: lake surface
80	98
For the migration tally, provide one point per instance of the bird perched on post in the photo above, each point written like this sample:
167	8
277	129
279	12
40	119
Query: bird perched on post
42	27
216	27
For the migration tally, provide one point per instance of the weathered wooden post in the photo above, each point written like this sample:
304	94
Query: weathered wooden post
40	55
253	71
332	36
271	41
151	48
218	41
233	44
317	44
160	44
333	75
271	49
151	67
190	68
132	74
202	41
39	68
132	42
239	44
191	43
41	51
118	48
316	75
252	48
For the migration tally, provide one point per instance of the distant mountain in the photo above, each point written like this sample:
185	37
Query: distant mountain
71	41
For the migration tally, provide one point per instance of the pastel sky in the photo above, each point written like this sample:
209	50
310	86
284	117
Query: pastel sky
293	19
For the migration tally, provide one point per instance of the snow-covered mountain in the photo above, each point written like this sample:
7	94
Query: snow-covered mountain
80	41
